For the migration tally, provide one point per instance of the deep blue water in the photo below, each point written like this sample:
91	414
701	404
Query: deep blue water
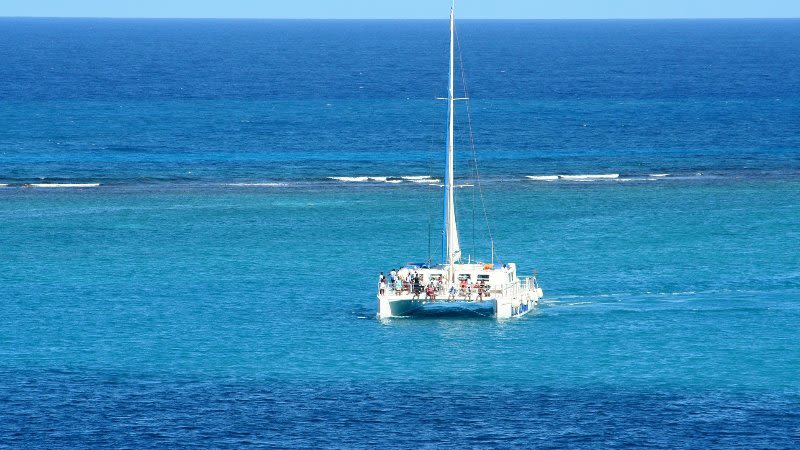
217	287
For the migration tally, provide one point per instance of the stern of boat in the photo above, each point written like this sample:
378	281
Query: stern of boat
520	299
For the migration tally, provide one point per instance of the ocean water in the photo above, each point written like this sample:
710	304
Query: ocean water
214	283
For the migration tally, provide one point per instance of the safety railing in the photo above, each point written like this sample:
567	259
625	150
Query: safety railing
441	292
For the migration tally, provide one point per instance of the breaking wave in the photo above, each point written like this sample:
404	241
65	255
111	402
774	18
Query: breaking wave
312	181
606	176
420	179
542	177
61	185
598	177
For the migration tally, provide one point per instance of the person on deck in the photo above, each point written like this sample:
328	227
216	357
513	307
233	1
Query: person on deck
417	287
430	292
452	293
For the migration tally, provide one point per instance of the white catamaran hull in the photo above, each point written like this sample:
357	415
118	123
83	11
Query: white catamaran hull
391	307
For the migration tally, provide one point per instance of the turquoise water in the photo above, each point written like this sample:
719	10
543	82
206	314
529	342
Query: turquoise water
217	288
652	284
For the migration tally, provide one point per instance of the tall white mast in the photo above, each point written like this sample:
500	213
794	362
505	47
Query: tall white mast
452	249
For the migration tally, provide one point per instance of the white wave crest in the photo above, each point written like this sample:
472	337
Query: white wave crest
659	175
387	179
583	177
61	185
364	179
350	179
622	180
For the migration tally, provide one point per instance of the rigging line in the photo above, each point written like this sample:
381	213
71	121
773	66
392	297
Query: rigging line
429	204
430	260
472	145
463	141
474	248
435	123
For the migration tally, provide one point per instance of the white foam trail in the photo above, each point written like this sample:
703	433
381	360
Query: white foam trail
394	181
62	185
659	175
3	185
542	177
425	180
605	176
378	179
417	177
465	185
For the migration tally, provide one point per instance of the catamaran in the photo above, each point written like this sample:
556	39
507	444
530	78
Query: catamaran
455	287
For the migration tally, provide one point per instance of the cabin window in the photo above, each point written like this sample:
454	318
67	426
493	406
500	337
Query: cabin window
464	276
483	277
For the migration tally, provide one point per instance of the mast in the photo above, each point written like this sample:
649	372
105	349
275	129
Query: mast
452	251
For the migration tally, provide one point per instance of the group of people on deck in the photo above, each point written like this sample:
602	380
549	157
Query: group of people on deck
412	282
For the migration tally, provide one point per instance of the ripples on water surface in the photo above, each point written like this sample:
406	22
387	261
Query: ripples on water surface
217	287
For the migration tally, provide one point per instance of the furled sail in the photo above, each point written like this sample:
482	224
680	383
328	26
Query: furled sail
452	250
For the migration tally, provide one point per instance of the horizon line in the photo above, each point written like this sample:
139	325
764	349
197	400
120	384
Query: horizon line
400	18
